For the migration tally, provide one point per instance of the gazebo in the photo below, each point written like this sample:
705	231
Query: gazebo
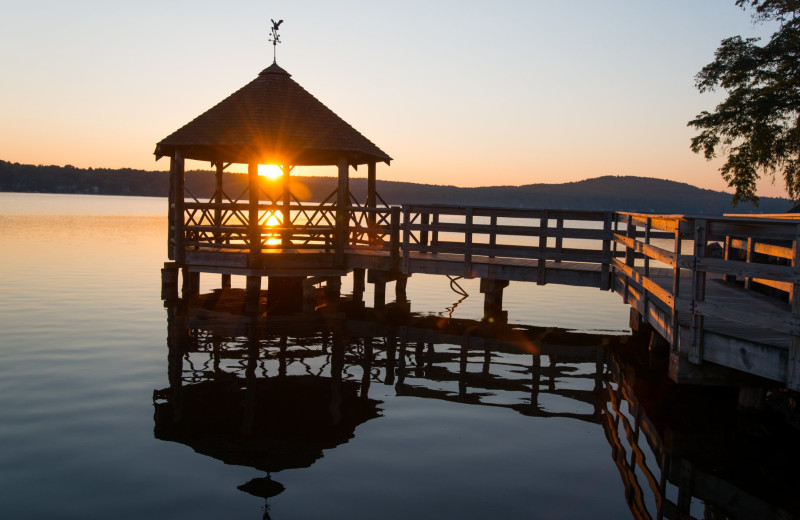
270	121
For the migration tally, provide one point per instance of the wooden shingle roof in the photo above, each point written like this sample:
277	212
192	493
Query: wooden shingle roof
272	119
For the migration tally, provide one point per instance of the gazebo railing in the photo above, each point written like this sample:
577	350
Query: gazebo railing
222	227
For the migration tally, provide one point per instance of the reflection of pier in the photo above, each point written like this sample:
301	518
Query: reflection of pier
698	462
274	393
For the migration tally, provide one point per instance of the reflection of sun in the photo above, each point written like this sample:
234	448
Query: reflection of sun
270	171
273	239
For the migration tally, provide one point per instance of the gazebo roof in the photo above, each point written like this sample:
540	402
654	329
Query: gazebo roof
272	119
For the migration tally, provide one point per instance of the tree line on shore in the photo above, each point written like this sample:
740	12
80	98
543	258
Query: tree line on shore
621	193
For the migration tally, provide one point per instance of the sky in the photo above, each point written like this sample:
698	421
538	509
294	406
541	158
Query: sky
465	93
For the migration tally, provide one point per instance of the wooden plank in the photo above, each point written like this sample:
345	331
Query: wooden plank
504	212
647	283
510	231
507	251
669	223
744	315
761	230
763	249
746	356
780	273
654	252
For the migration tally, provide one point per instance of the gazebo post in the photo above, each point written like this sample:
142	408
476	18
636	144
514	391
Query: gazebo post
226	278
253	291
371	198
342	203
286	218
177	171
371	191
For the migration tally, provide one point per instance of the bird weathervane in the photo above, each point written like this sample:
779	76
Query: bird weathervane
275	37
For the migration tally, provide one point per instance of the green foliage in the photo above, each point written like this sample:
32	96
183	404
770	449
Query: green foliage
757	124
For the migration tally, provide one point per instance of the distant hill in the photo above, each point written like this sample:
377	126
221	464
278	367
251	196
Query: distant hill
623	193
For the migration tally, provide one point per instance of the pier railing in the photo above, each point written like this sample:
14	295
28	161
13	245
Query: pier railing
671	260
505	234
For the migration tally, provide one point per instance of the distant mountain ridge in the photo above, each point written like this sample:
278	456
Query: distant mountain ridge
621	193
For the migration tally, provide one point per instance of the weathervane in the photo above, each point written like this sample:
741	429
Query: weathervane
275	38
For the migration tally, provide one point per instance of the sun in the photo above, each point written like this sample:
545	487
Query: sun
270	171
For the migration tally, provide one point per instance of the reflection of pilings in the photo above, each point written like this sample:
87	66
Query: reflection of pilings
250	379
536	377
419	359
337	366
391	349
176	337
462	371
366	366
283	346
599	371
401	364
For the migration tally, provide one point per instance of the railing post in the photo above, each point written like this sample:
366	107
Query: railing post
793	365
559	238
468	244
394	238
748	280
647	227
492	234
698	290
435	233
423	234
630	254
727	255
676	287
542	263
605	282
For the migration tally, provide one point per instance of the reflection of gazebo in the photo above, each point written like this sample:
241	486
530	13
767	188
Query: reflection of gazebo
271	120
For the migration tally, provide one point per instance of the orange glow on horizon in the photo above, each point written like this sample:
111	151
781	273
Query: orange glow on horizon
270	171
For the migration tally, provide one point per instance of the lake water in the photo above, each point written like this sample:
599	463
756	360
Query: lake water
112	405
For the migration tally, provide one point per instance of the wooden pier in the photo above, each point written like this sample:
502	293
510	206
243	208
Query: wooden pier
721	291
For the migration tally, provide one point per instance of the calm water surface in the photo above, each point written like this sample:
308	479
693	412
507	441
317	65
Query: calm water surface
113	406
